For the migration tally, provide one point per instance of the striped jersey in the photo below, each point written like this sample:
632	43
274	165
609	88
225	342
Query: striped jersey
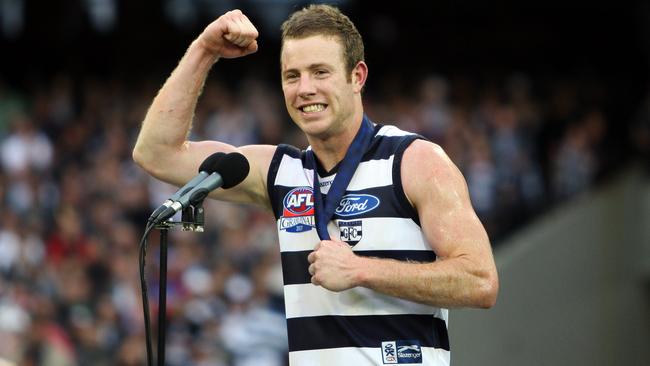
357	326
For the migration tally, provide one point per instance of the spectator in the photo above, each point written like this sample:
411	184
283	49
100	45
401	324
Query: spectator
25	147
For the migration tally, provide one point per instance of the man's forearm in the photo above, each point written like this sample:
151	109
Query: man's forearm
448	283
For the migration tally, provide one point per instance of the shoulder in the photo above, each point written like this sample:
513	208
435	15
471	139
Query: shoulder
430	176
286	159
282	153
390	140
426	152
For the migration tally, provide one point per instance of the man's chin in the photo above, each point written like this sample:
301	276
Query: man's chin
313	128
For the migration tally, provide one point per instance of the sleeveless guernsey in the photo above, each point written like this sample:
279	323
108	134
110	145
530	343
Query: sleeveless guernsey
358	326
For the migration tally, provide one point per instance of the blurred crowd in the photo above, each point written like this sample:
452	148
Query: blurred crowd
74	205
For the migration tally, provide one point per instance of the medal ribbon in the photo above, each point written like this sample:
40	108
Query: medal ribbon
324	209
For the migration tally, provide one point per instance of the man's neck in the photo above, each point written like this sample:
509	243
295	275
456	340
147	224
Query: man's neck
331	150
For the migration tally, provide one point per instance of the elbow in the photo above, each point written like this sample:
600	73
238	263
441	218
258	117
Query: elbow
139	157
144	159
488	291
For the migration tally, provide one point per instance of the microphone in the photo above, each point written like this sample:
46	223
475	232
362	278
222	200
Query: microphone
231	170
208	167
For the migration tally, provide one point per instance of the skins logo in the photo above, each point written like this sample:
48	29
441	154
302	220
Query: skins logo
298	210
351	232
401	352
356	204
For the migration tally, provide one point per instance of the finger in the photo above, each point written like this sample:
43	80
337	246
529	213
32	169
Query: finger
328	243
312	269
252	47
250	29
246	32
233	25
234	31
314	281
233	14
311	258
239	35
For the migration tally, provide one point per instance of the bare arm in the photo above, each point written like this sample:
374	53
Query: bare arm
464	274
162	147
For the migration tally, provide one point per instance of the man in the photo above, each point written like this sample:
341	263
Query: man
388	240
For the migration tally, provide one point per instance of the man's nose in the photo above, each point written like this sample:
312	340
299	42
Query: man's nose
306	86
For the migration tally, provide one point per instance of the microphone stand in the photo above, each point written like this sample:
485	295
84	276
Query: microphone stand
192	220
162	293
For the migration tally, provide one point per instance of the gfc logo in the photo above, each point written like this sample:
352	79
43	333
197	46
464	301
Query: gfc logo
351	231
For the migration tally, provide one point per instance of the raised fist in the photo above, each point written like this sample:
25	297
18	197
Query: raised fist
231	35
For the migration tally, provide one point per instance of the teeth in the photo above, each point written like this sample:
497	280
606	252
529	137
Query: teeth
313	108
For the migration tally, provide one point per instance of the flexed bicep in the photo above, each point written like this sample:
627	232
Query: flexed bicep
439	192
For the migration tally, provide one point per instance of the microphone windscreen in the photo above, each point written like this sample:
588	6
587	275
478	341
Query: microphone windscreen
233	169
212	162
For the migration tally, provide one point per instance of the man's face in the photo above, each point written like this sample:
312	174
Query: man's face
317	93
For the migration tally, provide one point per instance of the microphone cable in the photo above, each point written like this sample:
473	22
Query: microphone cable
145	299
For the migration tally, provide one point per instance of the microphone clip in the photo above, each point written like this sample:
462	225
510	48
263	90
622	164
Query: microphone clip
193	218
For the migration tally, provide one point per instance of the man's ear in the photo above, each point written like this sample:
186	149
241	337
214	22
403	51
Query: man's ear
359	76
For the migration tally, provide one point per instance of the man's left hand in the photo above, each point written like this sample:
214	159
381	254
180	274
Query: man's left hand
334	266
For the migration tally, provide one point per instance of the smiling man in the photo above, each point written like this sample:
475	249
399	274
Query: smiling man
377	233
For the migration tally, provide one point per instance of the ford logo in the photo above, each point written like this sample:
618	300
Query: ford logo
356	204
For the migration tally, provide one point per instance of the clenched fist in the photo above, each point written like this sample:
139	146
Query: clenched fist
334	266
231	35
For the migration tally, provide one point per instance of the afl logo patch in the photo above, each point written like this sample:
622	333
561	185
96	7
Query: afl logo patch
299	202
298	210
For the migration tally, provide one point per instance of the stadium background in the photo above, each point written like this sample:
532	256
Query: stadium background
538	103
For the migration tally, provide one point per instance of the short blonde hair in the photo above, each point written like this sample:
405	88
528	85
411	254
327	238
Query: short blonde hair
326	20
